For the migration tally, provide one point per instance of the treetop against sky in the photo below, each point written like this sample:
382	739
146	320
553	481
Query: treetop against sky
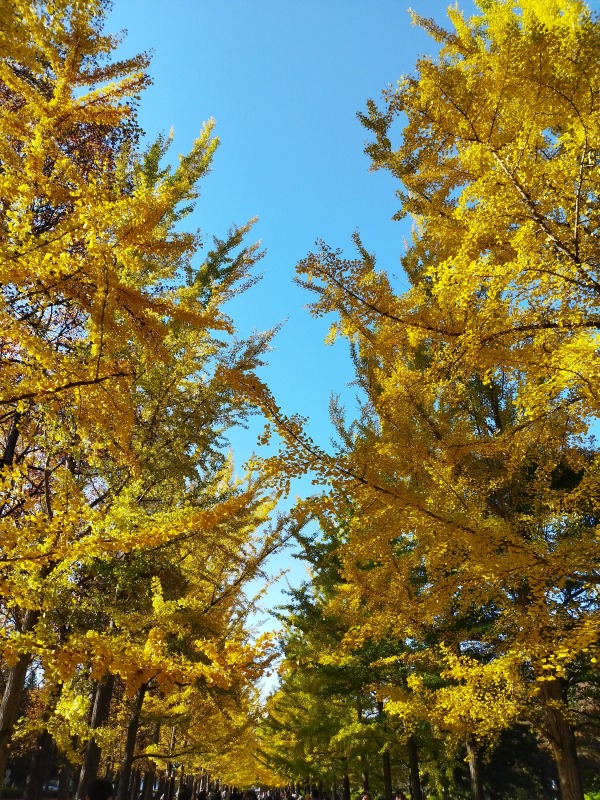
284	82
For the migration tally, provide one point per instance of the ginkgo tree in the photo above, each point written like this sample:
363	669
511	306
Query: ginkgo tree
117	388
470	478
393	709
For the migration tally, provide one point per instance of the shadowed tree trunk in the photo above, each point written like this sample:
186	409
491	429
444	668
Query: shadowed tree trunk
365	780
562	738
385	757
132	729
346	783
44	751
475	769
170	789
64	781
38	768
416	793
13	691
161	786
100	711
11	699
149	777
8	456
135	784
387	775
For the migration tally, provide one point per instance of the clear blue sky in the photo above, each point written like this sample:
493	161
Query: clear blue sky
284	80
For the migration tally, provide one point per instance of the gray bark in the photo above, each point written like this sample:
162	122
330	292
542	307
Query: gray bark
416	793
100	712
475	769
562	739
132	729
13	691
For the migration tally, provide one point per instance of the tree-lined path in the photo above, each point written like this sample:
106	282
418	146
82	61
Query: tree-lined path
446	643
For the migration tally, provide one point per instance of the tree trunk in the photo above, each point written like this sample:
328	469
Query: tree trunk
64	781
135	784
147	785
11	441
132	729
364	775
562	738
365	781
416	793
44	751
385	755
475	769
100	711
345	787
170	784
38	767
387	775
11	699
170	788
149	778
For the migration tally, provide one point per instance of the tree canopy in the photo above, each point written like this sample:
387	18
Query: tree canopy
451	623
127	539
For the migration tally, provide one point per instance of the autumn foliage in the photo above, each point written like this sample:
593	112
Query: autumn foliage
466	489
115	399
452	621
